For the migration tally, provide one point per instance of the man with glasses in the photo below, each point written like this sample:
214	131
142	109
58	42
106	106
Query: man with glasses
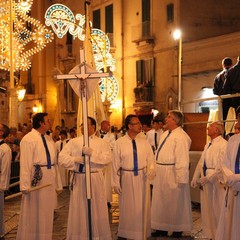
38	168
171	204
133	163
5	171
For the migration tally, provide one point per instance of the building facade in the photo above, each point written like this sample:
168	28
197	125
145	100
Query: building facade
147	69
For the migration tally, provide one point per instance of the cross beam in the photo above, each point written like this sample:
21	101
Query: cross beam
83	76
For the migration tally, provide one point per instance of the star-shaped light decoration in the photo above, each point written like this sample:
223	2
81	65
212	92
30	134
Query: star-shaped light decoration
29	36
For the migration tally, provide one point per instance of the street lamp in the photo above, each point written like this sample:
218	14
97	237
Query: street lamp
20	92
177	35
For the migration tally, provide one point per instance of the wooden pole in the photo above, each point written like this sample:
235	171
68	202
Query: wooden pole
30	190
146	203
14	184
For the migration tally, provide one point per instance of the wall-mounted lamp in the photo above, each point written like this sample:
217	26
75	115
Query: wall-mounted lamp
35	108
117	105
20	93
155	112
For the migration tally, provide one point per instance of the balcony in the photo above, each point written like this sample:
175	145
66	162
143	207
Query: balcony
143	96
142	32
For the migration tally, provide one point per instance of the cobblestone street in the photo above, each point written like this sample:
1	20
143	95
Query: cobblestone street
12	209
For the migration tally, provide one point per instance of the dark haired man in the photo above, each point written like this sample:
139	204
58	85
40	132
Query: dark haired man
5	170
233	83
37	168
106	134
154	134
59	145
221	86
132	156
72	158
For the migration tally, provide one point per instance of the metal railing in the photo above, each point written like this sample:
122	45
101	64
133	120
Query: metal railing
219	99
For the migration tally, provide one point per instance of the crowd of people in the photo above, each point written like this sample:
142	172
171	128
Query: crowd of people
148	169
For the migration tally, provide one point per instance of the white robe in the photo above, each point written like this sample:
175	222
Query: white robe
171	204
212	194
78	209
228	227
133	196
110	139
151	137
63	172
37	207
5	172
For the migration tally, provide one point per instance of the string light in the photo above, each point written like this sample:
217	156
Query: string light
62	20
27	41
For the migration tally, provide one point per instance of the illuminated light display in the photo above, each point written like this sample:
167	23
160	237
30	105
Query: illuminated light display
62	20
29	35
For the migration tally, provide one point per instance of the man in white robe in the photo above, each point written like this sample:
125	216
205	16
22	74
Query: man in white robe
206	175
171	203
129	180
37	207
71	157
5	171
154	134
228	227
106	135
59	145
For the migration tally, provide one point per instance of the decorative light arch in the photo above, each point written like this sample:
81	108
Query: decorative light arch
62	20
26	40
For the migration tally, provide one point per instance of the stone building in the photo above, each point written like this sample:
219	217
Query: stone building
141	36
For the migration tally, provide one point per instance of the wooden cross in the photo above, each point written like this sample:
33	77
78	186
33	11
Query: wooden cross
83	76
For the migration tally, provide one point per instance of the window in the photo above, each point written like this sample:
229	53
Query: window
69	104
170	13
97	19
145	10
145	18
109	19
69	43
145	71
145	80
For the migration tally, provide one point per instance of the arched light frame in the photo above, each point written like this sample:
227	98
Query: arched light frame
62	20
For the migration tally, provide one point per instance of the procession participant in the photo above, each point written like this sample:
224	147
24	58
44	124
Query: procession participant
38	168
171	203
106	134
5	170
59	145
132	156
72	158
228	227
154	134
206	175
